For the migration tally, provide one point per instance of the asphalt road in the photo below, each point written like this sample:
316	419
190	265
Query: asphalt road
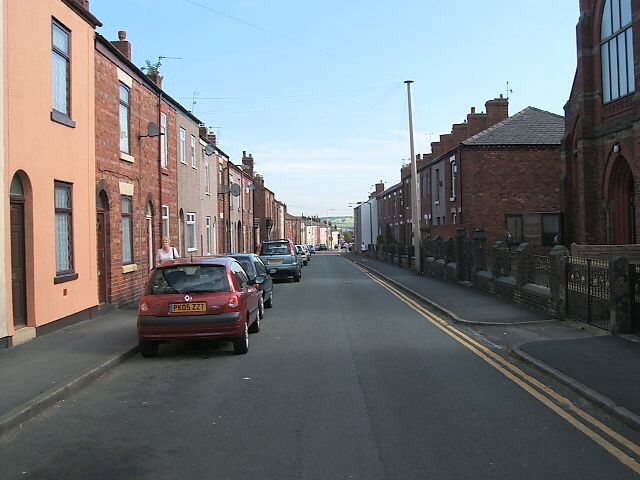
343	382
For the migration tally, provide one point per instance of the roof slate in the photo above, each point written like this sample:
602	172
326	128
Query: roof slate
530	126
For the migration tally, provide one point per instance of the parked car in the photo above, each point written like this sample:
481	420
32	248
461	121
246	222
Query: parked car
199	298
304	254
281	259
323	246
311	248
255	268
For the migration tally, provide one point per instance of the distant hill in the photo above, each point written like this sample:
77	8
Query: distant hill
343	223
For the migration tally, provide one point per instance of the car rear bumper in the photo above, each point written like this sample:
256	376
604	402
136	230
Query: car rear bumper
282	271
225	325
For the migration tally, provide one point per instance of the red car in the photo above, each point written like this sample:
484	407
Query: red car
199	298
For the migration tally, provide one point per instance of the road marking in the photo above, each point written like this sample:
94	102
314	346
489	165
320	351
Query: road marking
535	388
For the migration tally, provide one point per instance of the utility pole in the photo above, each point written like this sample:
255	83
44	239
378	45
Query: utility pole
415	188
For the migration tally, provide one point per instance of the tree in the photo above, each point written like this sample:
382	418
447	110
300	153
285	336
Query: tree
151	68
388	236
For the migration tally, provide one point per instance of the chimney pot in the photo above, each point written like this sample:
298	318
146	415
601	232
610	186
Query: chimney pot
473	109
122	35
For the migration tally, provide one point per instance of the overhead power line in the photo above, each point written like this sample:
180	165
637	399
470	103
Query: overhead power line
289	39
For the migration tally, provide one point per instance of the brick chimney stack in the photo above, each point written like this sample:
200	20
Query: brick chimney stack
379	187
155	78
459	131
83	3
497	110
122	44
476	122
247	161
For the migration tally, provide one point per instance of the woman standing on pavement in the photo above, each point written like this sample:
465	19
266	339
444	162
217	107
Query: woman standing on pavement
167	252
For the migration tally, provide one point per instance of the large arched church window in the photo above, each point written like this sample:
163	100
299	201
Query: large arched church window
616	47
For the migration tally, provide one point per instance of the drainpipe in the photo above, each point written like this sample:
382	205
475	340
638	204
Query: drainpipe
160	140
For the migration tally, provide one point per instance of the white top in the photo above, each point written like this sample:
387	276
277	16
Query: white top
163	256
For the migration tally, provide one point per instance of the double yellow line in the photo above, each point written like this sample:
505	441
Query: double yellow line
583	421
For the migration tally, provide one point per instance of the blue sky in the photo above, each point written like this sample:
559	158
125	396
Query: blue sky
314	90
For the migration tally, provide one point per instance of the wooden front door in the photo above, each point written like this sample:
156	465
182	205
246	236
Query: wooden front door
623	214
101	234
18	265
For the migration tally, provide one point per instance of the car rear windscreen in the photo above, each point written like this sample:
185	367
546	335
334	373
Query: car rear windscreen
281	248
189	279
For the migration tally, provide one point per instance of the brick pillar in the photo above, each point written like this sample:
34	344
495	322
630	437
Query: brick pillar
558	282
523	262
462	260
620	316
498	258
478	239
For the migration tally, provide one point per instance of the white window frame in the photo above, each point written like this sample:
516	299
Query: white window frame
207	176
125	130
165	221
454	172
183	146
192	242
208	234
127	224
194	161
164	158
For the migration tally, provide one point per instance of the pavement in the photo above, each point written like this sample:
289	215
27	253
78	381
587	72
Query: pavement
37	374
600	367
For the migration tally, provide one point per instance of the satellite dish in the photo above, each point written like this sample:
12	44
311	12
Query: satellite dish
152	130
209	149
235	189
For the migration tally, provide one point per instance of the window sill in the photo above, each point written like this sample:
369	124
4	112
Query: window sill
452	199
192	250
127	158
65	277
62	118
132	267
164	170
183	162
437	202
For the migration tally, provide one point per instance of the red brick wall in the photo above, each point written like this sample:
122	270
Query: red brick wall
592	128
497	182
125	288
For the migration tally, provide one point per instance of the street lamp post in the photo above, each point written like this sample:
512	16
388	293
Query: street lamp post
415	188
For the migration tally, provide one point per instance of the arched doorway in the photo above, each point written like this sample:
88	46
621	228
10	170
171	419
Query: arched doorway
18	253
150	249
102	237
621	196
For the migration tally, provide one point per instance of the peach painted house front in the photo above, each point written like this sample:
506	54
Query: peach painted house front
49	118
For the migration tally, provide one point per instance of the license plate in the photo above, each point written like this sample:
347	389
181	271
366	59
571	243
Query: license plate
188	307
274	260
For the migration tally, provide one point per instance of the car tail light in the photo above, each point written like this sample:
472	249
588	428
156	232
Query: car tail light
144	308
233	302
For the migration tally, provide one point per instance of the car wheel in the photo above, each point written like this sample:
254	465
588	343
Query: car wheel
261	308
269	303
241	344
296	277
255	326
148	348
